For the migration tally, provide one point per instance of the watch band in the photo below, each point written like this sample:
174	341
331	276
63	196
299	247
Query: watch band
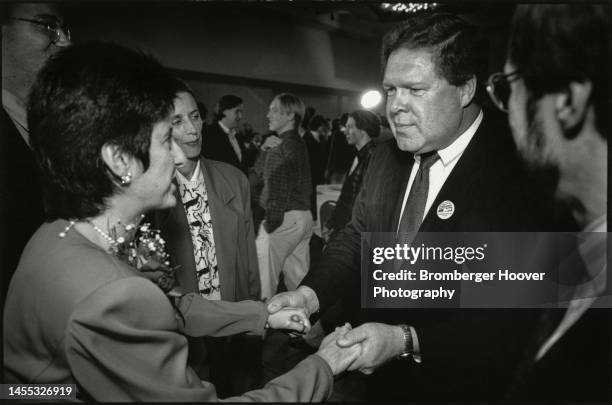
407	353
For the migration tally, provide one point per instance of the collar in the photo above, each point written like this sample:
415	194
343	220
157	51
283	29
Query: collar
455	149
291	133
315	135
226	129
364	149
195	177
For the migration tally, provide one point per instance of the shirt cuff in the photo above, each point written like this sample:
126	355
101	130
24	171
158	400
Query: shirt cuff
416	348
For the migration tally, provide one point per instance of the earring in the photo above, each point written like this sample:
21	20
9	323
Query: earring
126	180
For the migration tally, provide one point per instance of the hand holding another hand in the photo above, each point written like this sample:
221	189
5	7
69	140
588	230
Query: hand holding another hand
338	358
290	318
303	297
379	344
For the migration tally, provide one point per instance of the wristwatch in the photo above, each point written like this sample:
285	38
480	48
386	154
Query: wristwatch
407	353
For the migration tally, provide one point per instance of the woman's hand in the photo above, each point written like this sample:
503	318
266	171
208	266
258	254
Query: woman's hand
338	358
290	318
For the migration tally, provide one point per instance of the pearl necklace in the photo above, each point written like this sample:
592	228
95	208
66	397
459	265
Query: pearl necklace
112	241
106	236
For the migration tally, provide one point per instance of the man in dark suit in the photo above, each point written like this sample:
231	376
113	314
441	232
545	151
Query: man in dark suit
558	73
451	167
220	141
209	234
318	148
31	33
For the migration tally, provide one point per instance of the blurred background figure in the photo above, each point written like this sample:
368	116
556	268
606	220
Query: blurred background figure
362	128
203	112
31	34
341	154
284	235
220	140
317	144
251	145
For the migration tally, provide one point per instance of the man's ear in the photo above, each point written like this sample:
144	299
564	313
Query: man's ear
572	104
291	116
117	161
467	91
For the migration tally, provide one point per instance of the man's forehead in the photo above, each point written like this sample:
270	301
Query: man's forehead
411	57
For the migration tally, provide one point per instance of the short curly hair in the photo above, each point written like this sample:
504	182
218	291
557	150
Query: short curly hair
87	96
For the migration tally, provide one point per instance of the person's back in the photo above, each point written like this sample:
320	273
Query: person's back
53	278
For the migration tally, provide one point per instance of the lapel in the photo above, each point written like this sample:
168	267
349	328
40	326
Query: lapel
225	226
397	180
175	230
472	168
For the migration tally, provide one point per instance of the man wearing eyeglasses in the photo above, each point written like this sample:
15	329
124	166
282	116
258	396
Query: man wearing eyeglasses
451	167
556	88
31	33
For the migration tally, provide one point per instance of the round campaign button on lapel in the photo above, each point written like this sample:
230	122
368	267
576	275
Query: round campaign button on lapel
446	209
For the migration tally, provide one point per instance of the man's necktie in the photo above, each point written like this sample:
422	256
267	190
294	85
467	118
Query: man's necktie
412	216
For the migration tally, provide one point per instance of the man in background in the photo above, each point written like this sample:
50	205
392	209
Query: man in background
318	149
31	34
362	128
220	141
284	235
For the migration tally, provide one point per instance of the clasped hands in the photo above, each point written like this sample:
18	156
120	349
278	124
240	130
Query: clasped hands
364	348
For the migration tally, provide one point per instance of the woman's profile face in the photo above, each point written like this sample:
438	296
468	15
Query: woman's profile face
153	188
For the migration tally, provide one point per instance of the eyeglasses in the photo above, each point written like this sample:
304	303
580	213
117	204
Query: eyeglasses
55	29
498	87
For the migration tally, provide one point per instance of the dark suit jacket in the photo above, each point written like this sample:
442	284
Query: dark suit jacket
21	197
317	157
230	208
216	146
467	354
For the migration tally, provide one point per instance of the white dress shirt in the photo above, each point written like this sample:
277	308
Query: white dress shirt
231	134
439	171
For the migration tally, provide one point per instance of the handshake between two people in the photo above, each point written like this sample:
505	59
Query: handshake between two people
364	348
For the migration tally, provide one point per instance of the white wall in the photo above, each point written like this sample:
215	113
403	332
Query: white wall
240	41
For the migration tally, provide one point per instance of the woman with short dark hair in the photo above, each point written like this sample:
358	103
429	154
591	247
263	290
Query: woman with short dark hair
92	305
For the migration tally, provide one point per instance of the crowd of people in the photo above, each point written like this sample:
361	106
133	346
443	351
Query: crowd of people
164	258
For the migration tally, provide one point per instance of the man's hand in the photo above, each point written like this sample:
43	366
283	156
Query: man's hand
290	319
303	297
379	344
338	358
271	142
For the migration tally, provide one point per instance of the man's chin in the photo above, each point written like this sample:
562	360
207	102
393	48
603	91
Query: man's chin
404	144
